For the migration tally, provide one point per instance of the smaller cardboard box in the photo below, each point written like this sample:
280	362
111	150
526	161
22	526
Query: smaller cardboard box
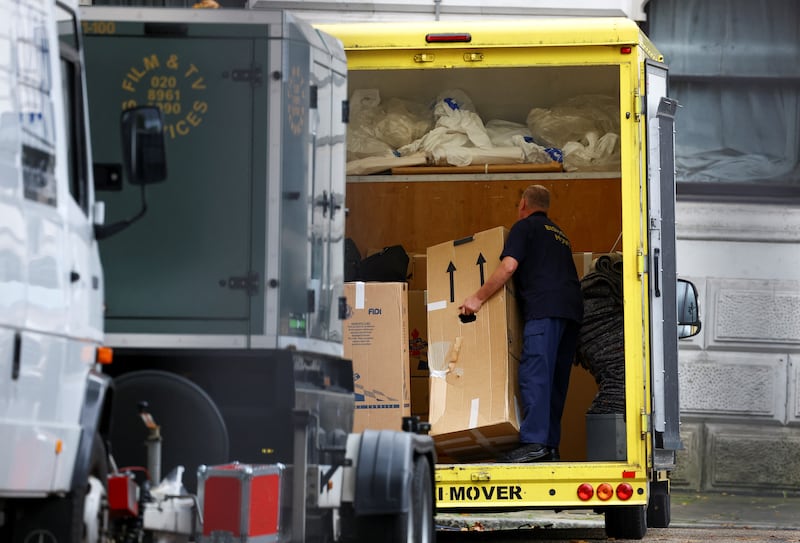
418	334
420	397
241	502
417	271
376	340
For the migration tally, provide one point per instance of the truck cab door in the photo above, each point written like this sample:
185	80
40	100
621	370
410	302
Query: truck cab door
662	273
85	287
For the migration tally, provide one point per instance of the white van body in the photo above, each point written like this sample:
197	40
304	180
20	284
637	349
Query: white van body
51	285
50	278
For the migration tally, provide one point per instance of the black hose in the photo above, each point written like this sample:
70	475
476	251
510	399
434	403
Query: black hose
601	340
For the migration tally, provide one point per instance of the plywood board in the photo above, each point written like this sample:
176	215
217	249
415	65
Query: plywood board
419	214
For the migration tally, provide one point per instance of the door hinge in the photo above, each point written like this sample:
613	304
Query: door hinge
638	105
249	283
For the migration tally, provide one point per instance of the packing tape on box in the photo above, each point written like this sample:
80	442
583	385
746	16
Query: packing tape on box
437	358
474	409
360	288
435	306
442	358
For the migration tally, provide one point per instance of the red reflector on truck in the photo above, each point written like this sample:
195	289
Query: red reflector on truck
449	37
625	50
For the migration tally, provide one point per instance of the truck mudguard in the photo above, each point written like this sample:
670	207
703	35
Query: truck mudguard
94	418
385	467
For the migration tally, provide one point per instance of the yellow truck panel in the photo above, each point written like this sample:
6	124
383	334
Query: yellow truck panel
509	69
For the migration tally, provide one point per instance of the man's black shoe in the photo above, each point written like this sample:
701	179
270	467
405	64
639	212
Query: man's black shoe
530	452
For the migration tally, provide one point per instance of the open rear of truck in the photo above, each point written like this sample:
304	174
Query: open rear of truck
611	196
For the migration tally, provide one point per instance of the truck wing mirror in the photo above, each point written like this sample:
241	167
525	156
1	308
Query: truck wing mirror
144	158
143	145
688	311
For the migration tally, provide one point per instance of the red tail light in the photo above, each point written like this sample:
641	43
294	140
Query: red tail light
624	491
585	492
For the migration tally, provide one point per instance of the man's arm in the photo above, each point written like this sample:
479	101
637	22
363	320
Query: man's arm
498	278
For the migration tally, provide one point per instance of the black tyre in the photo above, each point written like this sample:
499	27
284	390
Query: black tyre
626	522
422	524
415	526
658	507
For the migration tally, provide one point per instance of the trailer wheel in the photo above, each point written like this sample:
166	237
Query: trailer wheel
414	526
626	522
658	507
422	525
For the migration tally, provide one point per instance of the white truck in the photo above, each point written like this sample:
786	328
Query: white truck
59	482
53	399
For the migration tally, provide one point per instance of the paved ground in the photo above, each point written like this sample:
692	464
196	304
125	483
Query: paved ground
732	510
689	510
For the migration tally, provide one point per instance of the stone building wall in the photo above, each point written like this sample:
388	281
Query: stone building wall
739	378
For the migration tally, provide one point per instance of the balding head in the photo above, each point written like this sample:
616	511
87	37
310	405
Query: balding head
534	198
537	196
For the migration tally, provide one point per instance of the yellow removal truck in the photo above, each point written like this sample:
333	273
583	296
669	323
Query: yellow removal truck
448	123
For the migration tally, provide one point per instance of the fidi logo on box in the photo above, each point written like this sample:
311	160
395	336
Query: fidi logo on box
370	311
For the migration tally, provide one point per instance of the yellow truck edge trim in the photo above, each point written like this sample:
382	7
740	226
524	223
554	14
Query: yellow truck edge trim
532	32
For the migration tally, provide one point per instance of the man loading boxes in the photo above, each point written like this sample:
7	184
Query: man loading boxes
538	255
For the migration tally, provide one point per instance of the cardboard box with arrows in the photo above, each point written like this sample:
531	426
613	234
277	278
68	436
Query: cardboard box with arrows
474	411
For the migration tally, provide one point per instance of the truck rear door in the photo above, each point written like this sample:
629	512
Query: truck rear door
661	240
187	266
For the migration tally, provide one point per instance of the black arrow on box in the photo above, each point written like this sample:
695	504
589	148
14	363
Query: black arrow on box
481	261
450	269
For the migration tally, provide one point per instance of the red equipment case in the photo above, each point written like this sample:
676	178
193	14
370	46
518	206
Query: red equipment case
240	502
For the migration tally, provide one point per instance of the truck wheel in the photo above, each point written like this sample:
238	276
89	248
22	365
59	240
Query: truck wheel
626	522
658	507
94	503
422	502
415	526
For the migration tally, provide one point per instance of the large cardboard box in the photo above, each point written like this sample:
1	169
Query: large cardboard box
474	409
376	340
